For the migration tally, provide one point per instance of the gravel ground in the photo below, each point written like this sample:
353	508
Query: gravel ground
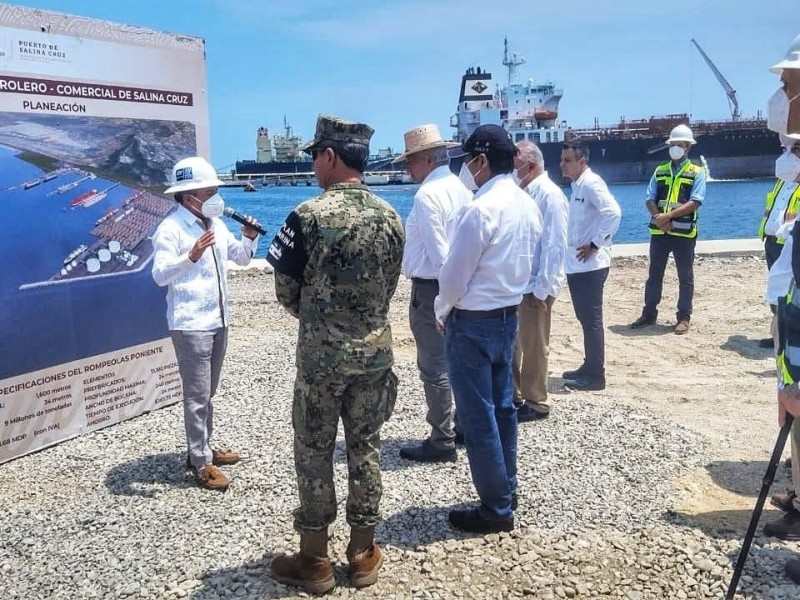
114	515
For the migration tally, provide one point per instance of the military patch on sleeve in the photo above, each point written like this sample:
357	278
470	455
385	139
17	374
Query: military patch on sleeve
287	253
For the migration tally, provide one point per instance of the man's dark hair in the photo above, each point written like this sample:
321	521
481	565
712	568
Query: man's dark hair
579	147
353	156
499	162
178	197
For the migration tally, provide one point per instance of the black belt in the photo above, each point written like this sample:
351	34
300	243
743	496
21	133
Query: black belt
421	281
506	311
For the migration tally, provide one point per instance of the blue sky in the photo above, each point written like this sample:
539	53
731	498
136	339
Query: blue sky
397	64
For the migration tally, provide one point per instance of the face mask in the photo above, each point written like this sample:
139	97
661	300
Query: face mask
515	176
787	167
676	152
213	207
467	178
778	111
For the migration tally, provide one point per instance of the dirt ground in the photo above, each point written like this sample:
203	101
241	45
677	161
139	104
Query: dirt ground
715	381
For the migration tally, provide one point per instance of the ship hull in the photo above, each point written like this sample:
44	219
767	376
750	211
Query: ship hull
731	154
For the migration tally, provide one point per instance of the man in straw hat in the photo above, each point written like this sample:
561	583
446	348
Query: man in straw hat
429	230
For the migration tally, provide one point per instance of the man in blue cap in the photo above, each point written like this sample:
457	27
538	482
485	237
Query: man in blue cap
480	286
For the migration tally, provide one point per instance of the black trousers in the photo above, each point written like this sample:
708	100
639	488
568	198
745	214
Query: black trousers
772	250
586	291
682	250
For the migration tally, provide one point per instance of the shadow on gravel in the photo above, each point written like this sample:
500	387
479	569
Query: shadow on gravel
746	348
135	477
420	525
745	477
390	453
253	580
650	330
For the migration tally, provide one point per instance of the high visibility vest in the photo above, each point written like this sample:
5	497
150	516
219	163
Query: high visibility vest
789	336
789	214
672	190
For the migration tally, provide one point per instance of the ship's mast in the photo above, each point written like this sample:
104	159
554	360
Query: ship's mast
732	101
511	60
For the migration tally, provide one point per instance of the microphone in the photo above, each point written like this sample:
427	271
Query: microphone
229	212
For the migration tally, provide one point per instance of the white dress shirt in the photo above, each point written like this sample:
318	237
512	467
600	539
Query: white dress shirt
594	217
776	216
197	296
432	222
491	254
780	275
547	277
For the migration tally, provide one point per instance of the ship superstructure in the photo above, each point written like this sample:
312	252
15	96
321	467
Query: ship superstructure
627	151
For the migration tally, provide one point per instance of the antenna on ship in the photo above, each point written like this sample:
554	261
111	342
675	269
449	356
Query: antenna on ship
511	60
732	101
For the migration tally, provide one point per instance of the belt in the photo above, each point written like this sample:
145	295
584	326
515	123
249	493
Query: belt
421	281
506	311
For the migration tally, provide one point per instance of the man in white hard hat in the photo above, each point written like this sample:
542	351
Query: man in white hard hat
783	116
783	107
429	229
192	246
674	195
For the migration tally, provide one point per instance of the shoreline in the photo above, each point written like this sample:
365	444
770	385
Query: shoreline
714	248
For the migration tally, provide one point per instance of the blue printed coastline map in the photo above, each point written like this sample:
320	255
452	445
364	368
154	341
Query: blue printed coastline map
76	252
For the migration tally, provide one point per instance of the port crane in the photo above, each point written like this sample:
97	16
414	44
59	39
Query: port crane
732	101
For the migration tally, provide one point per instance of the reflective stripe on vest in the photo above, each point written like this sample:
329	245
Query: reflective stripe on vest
672	190
788	360
789	214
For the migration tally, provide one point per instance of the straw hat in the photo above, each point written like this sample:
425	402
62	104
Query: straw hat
424	137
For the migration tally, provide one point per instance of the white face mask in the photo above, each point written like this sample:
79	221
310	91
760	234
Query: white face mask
676	152
467	178
778	111
515	176
213	207
787	167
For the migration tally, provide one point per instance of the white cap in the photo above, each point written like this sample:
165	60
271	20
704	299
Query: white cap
791	60
193	173
681	133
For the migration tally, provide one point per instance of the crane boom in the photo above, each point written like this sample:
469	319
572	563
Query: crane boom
732	101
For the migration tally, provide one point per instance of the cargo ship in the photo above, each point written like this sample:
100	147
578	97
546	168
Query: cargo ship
626	152
87	199
282	154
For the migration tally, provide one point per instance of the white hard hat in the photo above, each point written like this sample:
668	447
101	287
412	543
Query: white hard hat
792	58
193	173
681	133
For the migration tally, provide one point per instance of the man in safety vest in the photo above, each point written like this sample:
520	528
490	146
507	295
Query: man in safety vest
780	211
674	195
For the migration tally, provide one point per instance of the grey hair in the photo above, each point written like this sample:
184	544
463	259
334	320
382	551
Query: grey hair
439	155
530	152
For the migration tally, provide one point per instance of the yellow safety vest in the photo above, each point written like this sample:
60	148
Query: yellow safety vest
672	190
789	214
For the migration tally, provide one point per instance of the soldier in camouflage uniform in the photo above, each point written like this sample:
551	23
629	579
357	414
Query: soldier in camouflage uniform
337	260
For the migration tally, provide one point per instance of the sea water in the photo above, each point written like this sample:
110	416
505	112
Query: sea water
732	209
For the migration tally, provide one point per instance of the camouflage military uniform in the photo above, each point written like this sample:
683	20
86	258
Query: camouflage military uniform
337	261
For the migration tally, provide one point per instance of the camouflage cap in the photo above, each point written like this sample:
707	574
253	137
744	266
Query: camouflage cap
334	129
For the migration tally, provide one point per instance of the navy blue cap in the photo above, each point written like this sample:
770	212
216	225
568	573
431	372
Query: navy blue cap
489	139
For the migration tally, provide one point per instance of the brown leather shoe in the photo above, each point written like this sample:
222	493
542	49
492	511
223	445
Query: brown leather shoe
219	458
309	569
211	478
682	327
224	457
363	556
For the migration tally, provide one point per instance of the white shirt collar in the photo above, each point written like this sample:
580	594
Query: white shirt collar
437	173
489	185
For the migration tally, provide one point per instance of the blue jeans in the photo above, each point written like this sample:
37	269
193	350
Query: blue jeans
479	361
